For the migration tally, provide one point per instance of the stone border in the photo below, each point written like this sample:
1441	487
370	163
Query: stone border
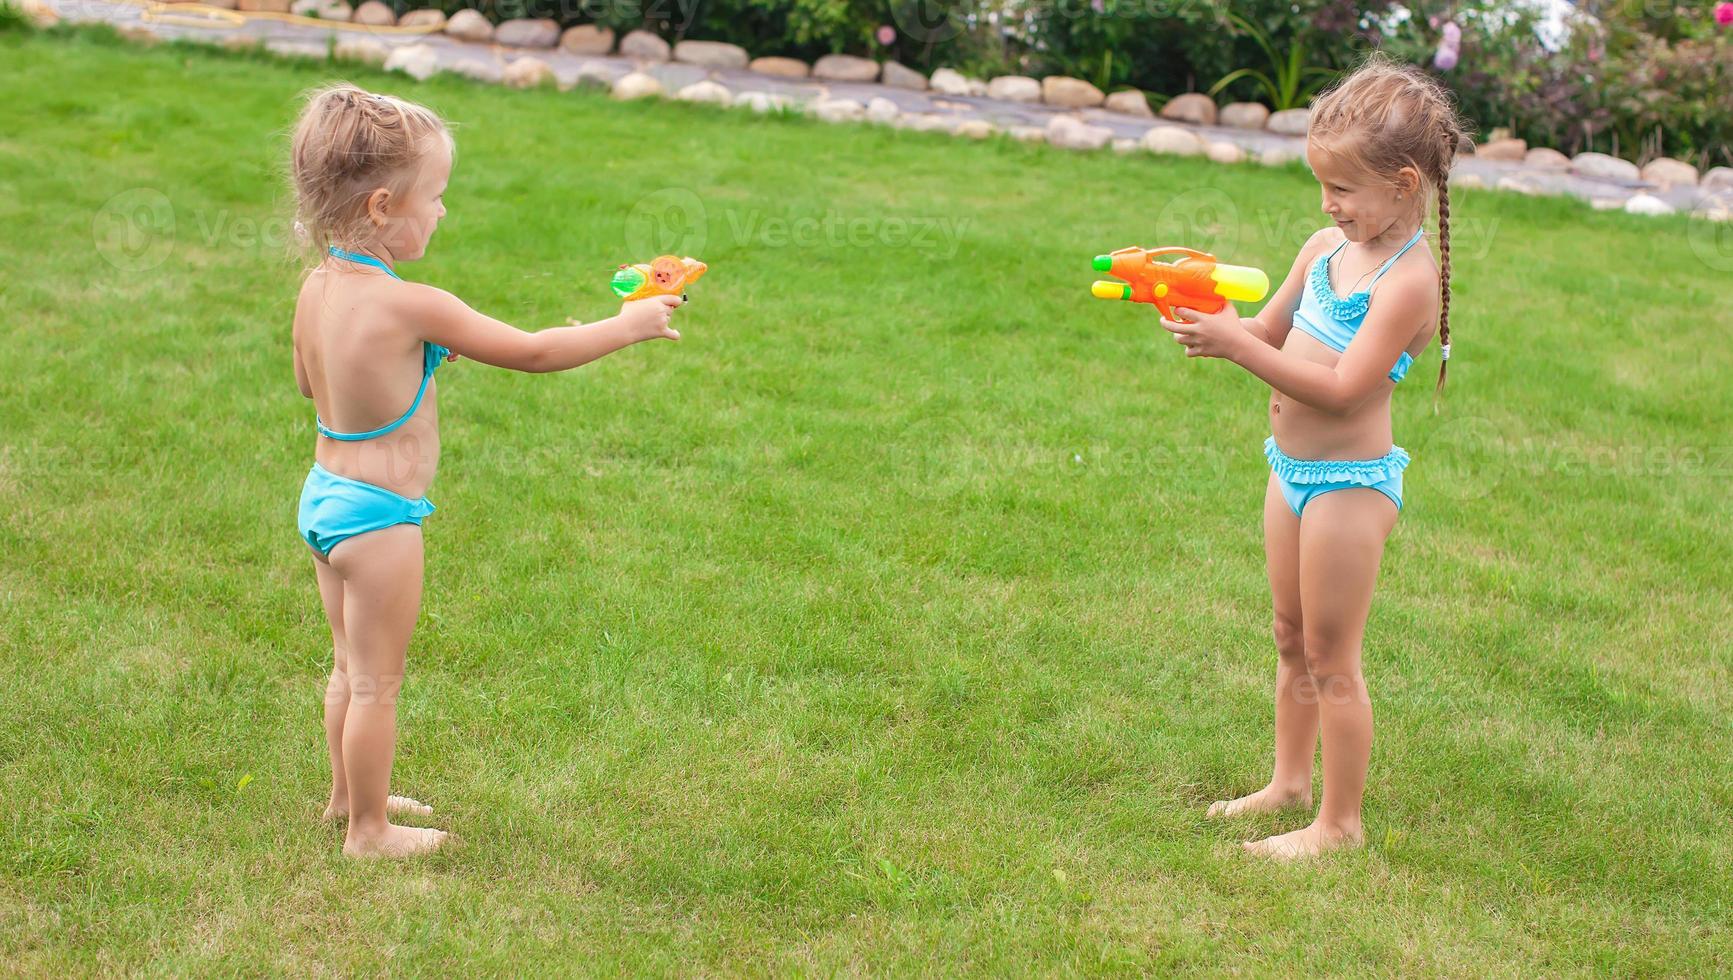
1065	112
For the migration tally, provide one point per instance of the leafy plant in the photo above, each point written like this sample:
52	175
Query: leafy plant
12	18
1291	82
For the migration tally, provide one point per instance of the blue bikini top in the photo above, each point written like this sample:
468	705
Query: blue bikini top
1333	319
432	356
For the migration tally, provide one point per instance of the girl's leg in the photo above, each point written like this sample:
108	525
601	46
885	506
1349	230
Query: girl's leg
1341	544
337	699
1296	704
337	686
381	573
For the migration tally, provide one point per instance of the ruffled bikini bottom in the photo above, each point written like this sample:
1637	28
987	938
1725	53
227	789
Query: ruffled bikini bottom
1303	479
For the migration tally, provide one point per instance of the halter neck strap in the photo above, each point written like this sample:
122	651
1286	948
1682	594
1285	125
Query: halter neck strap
1418	232
363	259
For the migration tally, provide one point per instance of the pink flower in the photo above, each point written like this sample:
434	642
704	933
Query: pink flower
1724	13
887	34
1450	47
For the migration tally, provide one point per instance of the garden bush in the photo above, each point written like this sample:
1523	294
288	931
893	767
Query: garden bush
1626	77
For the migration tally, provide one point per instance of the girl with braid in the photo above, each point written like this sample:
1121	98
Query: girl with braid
1362	300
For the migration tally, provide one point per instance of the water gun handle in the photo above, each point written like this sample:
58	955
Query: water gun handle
1180	250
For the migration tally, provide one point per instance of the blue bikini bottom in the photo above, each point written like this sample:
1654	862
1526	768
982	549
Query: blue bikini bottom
335	508
1303	479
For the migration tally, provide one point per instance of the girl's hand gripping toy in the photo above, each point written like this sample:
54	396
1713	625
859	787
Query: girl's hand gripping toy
1195	282
663	276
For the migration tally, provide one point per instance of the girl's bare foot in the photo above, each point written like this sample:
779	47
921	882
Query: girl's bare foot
393	805
1306	842
395	842
1266	800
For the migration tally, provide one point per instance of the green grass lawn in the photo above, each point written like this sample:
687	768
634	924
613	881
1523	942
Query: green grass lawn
901	619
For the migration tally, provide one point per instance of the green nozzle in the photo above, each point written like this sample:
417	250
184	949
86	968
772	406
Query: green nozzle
1103	263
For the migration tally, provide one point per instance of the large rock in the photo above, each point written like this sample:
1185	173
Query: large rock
527	72
1192	107
1667	172
1277	156
1507	150
706	91
418	61
1075	134
469	25
636	85
362	49
1014	88
1222	151
976	129
1071	93
882	110
1717	179
587	39
845	68
948	81
1603	167
643	46
1174	140
374	14
1546	158
426	19
334	10
526	32
898	76
711	54
781	67
839	110
1244	115
591	76
1289	122
1130	102
762	102
1647	204
1027	134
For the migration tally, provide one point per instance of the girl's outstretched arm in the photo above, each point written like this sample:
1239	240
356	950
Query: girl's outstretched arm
437	316
1404	300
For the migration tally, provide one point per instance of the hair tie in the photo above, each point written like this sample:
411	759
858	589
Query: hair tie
1446	350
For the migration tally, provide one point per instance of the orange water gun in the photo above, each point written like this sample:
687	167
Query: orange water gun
665	275
1195	282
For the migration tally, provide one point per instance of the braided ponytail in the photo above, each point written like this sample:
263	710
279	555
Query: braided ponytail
1443	276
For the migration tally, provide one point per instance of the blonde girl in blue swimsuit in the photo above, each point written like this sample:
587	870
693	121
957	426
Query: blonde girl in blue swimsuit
1363	298
369	174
